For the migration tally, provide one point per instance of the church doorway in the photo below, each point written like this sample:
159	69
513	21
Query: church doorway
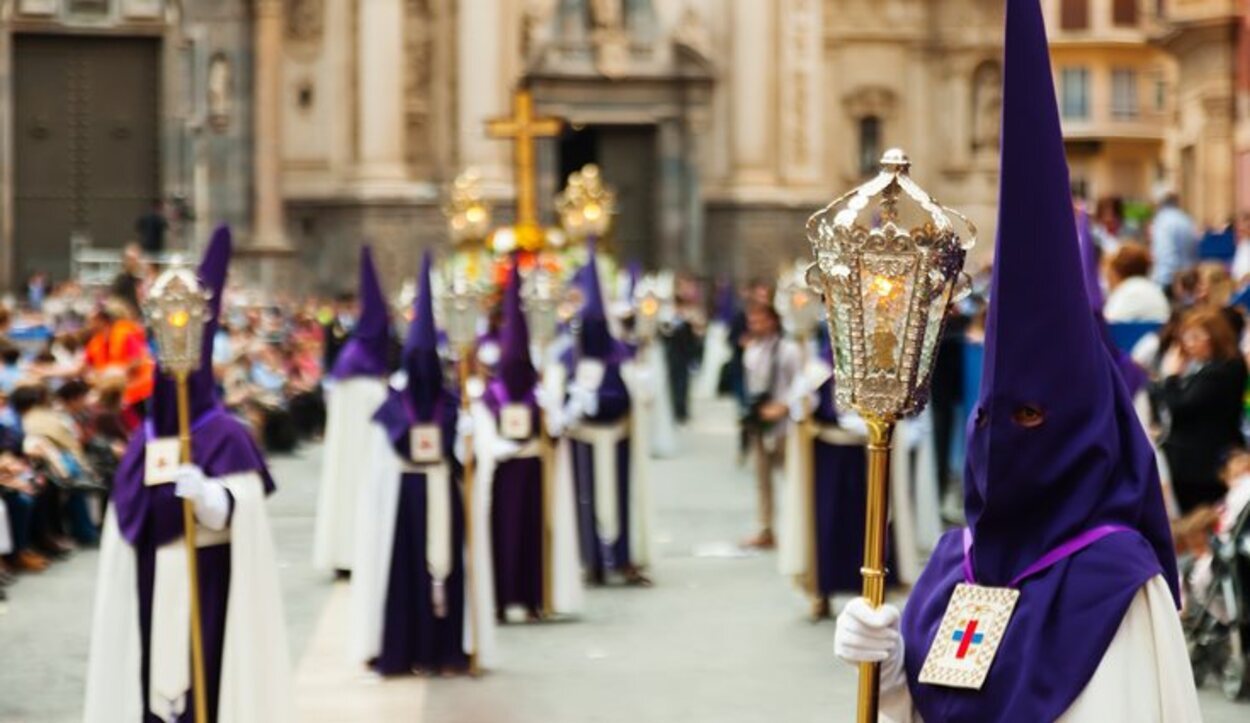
627	158
86	144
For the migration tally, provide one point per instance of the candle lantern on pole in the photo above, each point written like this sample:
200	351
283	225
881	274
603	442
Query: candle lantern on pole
889	262
177	310
462	306
541	302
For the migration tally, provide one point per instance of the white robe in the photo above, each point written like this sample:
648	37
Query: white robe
1144	676
375	539
6	535
350	405
663	422
255	667
716	353
567	592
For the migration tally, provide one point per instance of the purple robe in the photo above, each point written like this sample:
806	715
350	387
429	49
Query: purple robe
516	517
413	637
149	517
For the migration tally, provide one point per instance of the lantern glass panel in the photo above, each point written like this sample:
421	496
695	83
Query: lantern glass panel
888	259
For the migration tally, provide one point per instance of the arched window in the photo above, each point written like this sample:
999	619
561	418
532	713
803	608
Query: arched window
1074	14
869	144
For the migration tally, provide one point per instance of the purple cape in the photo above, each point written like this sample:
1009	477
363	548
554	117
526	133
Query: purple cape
1054	446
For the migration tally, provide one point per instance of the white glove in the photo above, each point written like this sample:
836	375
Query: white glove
464	430
865	635
801	407
209	496
587	402
503	448
556	419
545	399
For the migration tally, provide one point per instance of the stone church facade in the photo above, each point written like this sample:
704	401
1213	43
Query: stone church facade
314	125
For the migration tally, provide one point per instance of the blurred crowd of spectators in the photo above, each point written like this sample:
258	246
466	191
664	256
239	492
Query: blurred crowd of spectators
76	372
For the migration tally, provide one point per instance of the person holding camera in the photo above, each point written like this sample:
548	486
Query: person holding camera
770	363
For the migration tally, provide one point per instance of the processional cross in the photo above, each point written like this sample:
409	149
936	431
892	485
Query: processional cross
523	128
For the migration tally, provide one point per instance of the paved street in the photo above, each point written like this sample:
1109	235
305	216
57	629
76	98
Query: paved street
720	638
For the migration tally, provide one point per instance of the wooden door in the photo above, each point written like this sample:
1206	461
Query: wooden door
86	137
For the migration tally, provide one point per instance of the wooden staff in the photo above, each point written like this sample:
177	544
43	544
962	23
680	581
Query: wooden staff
198	685
467	503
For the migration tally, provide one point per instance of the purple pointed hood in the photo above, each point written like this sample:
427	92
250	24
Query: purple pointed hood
1088	461
1055	450
596	340
516	367
420	360
365	354
201	386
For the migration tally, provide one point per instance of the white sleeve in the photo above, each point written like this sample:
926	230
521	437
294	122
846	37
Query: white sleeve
1144	676
895	707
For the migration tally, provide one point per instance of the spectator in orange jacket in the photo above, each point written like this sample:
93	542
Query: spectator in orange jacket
119	344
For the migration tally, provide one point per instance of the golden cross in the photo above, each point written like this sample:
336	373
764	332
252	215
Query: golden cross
523	128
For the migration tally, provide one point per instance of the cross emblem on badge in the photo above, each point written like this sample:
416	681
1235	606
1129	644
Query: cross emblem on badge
967	638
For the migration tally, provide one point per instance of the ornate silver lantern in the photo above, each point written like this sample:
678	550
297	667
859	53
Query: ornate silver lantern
461	305
176	310
889	261
541	300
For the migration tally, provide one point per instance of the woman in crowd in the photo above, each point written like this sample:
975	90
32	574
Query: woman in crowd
1204	378
1133	296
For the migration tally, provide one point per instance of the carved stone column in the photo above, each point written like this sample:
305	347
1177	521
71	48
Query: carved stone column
380	79
482	91
268	230
753	106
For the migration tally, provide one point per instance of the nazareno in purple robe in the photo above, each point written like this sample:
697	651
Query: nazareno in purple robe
149	517
1055	450
516	511
413	636
600	556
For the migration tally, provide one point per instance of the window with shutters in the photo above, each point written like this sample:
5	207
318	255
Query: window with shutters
1074	14
1124	13
1123	93
1074	87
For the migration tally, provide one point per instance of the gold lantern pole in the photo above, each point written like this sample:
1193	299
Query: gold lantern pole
540	311
177	309
462	305
889	262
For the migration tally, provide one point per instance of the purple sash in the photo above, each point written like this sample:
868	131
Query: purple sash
1062	552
